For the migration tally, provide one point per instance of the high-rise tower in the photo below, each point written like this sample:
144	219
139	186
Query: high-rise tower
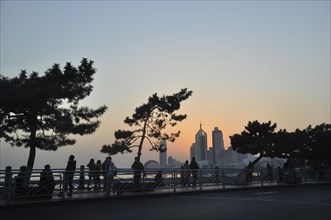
163	153
193	150
218	144
201	145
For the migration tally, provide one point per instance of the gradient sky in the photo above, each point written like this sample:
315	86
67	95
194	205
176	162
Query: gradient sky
243	60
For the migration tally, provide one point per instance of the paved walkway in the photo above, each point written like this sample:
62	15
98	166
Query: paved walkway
302	202
82	195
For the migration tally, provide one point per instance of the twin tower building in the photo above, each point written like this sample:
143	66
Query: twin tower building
216	155
207	157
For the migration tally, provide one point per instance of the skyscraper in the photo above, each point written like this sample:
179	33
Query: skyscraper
218	144
163	153
201	145
193	151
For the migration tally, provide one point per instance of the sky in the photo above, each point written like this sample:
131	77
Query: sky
243	60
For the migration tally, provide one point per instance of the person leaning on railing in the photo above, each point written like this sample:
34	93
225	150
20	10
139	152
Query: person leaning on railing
47	183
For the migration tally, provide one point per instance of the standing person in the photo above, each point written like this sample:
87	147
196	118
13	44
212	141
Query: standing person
138	168
20	186
158	179
187	173
111	172
104	167
194	169
69	174
98	168
91	173
47	183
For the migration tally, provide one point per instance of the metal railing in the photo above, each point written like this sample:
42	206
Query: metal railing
127	181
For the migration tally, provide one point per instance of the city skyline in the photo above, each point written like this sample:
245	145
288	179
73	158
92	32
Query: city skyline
244	61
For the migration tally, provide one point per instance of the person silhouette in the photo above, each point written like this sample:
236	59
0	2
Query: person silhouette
110	174
194	170
98	168
138	168
69	174
47	183
91	173
21	187
187	173
158	179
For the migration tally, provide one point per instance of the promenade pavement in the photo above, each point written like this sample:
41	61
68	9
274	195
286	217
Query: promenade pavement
302	202
83	195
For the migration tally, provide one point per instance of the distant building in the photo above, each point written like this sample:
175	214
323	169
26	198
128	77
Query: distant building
193	150
231	158
218	144
163	153
151	164
201	145
173	163
204	164
210	155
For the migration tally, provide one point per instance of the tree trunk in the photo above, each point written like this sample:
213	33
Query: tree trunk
255	161
32	156
32	143
32	153
142	139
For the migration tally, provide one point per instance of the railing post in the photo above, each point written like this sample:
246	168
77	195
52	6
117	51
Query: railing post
81	177
174	176
200	178
8	182
143	183
65	183
305	176
243	178
223	178
278	177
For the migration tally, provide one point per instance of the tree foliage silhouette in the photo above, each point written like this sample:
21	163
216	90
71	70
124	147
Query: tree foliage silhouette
42	111
255	139
261	138
149	122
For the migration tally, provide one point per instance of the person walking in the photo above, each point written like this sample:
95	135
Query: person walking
194	170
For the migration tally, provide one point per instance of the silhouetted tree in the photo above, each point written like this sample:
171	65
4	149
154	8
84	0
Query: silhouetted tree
149	122
255	139
42	111
310	143
316	144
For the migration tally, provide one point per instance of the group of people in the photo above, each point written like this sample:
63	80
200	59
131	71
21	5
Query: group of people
187	170
45	187
107	169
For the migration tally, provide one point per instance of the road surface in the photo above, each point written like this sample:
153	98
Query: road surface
304	202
